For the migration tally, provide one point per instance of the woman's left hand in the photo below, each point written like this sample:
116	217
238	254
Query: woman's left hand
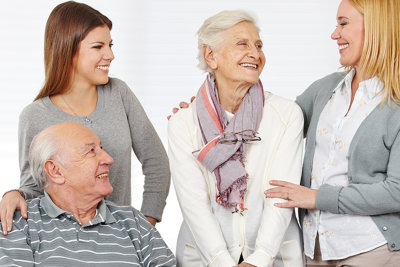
297	196
245	264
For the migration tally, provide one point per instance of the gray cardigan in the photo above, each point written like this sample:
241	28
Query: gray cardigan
374	162
121	123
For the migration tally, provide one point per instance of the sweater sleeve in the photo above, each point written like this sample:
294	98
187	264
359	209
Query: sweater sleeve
151	153
26	132
193	194
366	199
286	166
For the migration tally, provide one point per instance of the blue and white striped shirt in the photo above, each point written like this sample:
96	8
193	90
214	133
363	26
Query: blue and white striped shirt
116	236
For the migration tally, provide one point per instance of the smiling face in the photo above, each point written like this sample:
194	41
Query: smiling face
239	59
349	34
93	58
85	165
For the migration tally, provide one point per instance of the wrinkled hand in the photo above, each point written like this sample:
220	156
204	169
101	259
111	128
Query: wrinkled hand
245	264
181	105
9	203
151	220
297	196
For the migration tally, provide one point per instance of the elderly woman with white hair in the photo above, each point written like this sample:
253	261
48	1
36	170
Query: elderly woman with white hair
226	147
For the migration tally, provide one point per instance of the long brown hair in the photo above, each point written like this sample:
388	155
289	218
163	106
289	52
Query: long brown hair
67	25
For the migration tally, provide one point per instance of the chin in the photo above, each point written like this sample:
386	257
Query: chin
103	80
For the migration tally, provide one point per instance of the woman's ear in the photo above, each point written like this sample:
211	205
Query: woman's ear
54	171
209	57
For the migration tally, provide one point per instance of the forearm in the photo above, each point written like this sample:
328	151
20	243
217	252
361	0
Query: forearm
360	199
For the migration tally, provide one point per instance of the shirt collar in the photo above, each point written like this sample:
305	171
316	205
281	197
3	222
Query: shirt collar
371	87
103	214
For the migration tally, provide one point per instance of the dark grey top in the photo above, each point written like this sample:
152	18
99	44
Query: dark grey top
374	162
116	236
122	125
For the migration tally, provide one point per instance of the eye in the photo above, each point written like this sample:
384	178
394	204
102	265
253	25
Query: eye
111	45
97	46
259	46
242	43
343	23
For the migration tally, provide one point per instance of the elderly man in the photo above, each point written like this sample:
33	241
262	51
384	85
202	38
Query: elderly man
72	225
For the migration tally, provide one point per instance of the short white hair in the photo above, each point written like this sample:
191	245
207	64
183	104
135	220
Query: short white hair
43	147
209	33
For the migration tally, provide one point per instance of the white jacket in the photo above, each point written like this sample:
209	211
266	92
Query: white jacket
214	236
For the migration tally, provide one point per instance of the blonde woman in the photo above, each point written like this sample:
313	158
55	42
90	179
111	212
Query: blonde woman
351	170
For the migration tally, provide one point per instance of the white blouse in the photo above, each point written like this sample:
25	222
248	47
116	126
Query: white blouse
341	235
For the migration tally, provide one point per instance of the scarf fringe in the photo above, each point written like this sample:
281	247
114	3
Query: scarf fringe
223	198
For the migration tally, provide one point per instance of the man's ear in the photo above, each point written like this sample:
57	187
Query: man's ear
54	171
209	56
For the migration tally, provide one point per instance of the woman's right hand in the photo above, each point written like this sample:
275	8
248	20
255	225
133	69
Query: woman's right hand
181	105
10	202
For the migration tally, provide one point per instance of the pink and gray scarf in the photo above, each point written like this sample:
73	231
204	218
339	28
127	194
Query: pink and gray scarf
226	142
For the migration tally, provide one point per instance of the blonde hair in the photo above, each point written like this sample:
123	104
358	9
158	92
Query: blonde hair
381	53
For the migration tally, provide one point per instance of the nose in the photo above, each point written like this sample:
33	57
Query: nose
254	52
105	158
109	55
335	34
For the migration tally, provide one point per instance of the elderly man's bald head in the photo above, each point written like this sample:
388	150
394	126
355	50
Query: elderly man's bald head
60	143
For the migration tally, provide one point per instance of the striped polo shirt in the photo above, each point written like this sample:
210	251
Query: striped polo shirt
116	236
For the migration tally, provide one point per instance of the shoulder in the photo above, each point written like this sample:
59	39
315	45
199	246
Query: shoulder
121	213
327	83
331	79
19	223
34	118
128	216
118	90
34	109
390	117
287	110
117	83
185	117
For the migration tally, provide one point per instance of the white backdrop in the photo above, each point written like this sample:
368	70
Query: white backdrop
155	53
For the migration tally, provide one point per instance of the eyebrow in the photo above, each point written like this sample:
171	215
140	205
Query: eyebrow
247	40
342	17
99	42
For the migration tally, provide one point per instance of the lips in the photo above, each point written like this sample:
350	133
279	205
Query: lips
249	65
102	176
103	67
343	46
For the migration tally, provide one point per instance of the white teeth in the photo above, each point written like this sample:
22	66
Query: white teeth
103	67
249	65
103	175
343	46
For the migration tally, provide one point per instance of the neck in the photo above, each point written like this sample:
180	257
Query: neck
354	87
83	208
231	94
77	100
